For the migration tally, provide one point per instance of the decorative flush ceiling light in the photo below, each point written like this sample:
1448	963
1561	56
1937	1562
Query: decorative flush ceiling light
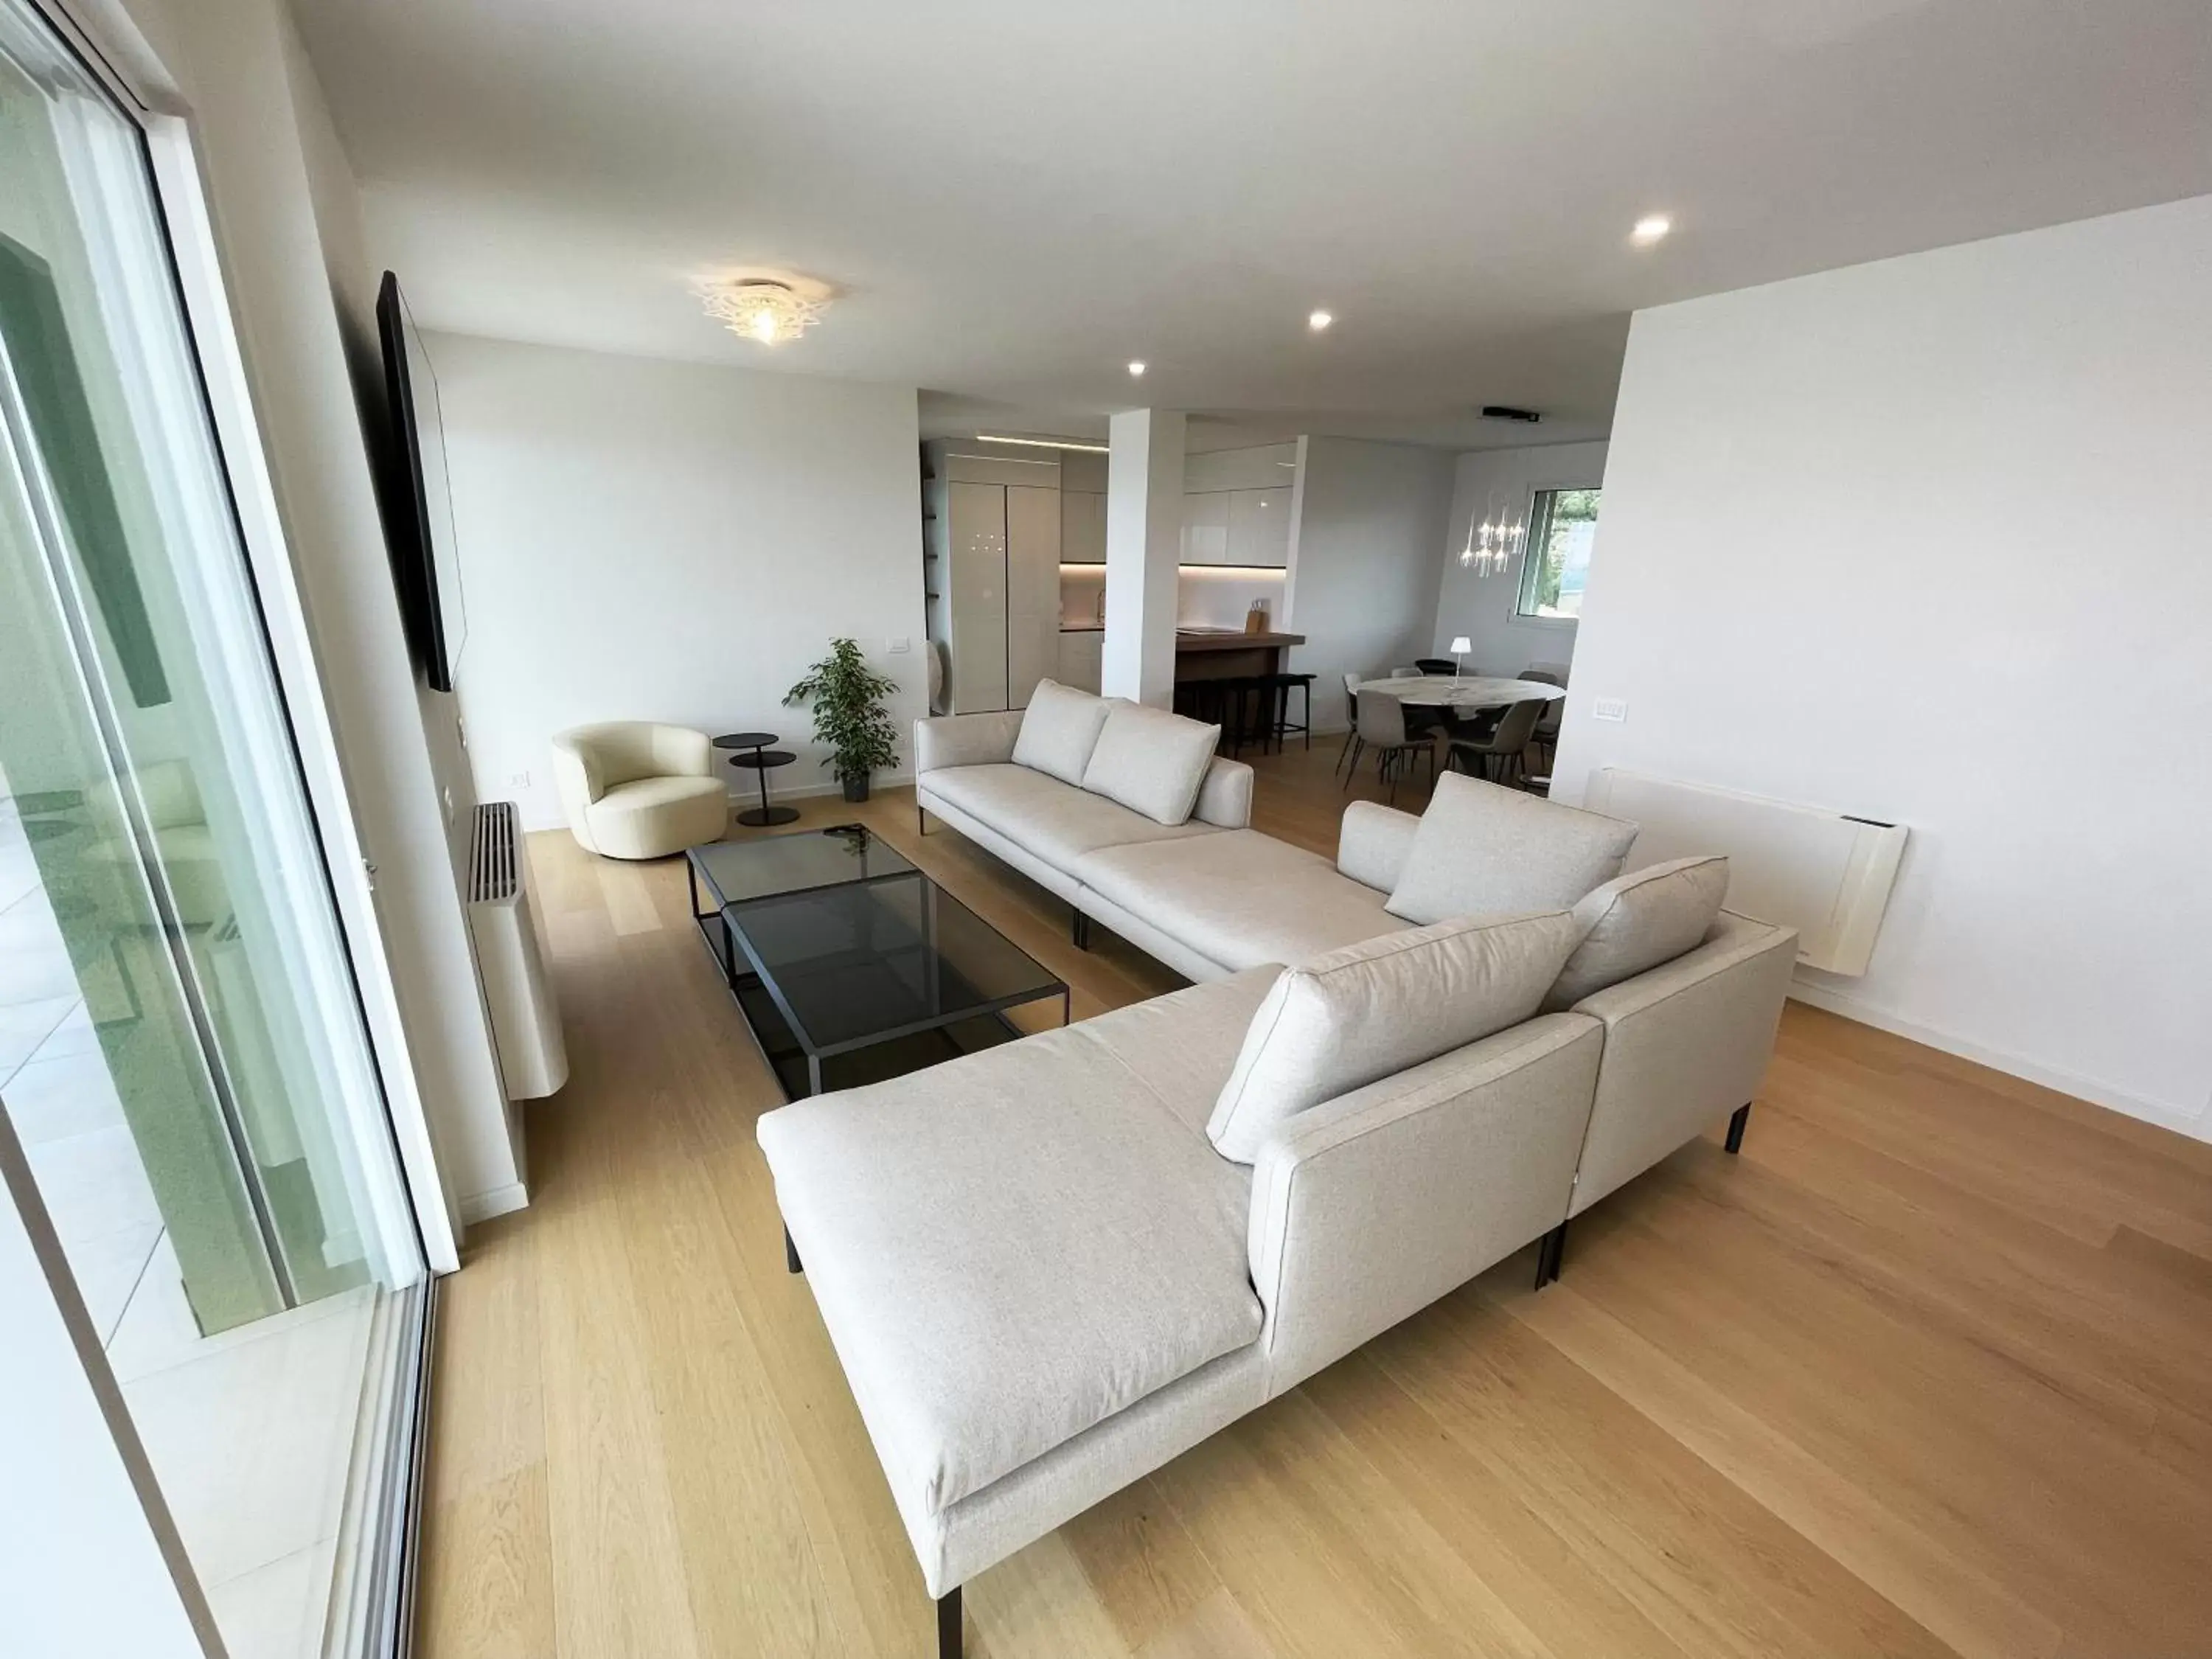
1137	371
1319	320
1495	544
1649	228
762	308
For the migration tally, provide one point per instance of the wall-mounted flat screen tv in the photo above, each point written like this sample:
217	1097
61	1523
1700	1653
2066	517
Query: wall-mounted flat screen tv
418	506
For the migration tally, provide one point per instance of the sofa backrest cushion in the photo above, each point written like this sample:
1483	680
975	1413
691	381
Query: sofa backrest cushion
1483	850
1059	728
1150	760
1638	921
1345	1019
1372	843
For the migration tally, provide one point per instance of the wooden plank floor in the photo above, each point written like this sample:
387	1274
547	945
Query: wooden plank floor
1924	1371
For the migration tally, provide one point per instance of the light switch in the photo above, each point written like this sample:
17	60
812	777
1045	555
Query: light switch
901	643
1609	708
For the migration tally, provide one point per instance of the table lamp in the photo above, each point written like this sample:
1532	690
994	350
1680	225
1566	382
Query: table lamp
1461	646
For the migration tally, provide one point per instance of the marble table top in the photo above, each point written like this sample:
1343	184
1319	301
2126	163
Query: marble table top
1469	691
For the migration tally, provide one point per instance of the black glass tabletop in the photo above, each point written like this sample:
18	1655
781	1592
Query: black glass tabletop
736	871
862	961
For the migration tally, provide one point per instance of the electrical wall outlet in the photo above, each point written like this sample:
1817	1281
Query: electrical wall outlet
901	643
518	781
1609	708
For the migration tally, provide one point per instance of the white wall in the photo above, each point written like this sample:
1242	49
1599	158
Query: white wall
1930	540
1366	539
1483	608
652	540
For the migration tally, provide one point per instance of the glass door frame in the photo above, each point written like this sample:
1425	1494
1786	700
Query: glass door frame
373	1597
188	227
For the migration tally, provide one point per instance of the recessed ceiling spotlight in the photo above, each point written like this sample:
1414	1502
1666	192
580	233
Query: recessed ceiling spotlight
1651	228
1137	370
1319	320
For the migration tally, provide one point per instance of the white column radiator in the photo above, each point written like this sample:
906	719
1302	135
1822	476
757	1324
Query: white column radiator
1826	874
525	1022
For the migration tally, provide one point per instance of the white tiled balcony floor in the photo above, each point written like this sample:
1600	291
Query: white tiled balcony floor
250	1432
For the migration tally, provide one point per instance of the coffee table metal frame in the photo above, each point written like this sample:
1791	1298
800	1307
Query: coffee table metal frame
731	941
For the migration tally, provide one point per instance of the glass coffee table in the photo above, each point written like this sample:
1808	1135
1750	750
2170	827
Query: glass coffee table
850	964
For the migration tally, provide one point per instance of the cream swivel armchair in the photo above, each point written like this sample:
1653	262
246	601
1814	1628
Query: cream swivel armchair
635	790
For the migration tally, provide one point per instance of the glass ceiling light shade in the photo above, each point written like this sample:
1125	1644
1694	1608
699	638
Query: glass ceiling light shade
760	309
1494	543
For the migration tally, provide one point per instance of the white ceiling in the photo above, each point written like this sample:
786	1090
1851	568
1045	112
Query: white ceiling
1016	198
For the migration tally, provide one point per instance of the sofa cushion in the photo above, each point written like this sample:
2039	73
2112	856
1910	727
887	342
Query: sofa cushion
1013	1247
1238	897
1486	851
1150	760
1059	728
1057	823
650	817
1350	1016
1638	921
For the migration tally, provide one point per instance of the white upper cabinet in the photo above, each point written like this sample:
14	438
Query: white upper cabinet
1236	506
1260	526
1206	528
1083	526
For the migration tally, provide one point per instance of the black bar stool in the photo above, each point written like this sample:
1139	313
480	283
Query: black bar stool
1278	688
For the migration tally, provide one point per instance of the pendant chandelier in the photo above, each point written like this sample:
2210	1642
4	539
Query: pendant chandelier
1495	543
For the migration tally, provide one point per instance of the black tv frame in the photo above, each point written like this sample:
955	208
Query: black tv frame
407	520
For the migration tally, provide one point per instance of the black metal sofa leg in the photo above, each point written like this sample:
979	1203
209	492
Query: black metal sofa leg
948	1623
1080	929
791	1253
1736	1120
1551	1251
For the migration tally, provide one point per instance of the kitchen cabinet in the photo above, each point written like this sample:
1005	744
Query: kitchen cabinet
1260	526
1206	528
1082	659
991	534
1083	526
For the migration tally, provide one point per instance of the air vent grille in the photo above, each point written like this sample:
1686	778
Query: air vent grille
492	852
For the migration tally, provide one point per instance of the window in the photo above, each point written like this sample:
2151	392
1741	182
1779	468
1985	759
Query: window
1562	525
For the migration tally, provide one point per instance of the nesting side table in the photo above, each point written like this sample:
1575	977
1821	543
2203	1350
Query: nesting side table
756	755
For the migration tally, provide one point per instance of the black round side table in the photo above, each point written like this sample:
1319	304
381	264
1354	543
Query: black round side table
761	760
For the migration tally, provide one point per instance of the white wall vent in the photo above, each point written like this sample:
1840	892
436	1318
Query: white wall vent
525	1022
1826	874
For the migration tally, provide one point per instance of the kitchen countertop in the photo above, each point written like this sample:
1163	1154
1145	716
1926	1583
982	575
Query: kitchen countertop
1232	640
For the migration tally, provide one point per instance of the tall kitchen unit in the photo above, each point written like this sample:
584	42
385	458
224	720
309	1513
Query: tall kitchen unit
991	528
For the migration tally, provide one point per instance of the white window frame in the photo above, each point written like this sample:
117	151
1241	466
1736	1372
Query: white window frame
1515	615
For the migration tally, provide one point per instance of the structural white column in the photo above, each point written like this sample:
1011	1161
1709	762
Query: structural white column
1144	555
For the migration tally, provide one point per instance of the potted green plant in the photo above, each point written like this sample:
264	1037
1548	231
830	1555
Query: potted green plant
849	715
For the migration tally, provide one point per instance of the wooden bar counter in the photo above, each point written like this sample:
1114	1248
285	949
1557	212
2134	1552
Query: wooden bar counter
1229	654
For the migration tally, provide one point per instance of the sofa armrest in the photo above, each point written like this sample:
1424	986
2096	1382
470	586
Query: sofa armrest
1686	1043
944	740
1372	843
1368	1207
1225	797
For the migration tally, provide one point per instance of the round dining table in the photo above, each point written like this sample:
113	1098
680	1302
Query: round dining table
1462	691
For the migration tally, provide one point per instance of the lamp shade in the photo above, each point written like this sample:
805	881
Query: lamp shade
1462	643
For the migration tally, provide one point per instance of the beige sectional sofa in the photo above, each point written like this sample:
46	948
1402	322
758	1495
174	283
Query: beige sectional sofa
1050	1267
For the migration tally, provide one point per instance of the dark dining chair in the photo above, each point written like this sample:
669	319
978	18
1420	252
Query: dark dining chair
1545	738
1436	665
1382	728
1505	747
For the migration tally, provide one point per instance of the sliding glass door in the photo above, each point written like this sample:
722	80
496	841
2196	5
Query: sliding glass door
182	1052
